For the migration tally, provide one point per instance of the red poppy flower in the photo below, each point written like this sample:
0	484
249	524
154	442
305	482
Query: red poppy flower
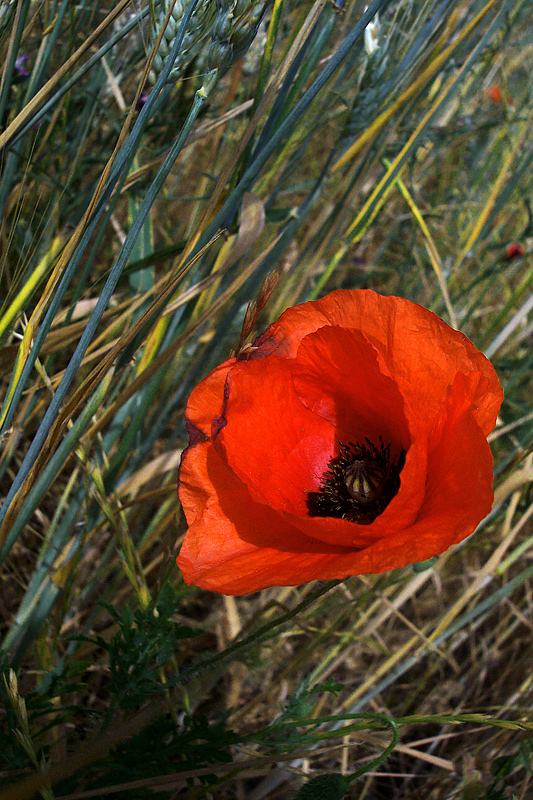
349	439
495	93
513	250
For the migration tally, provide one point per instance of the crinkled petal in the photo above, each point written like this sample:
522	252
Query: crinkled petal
422	352
235	545
336	374
207	399
272	442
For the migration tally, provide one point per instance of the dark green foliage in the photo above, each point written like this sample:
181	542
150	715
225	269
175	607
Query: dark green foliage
298	709
303	698
145	641
323	787
505	767
173	743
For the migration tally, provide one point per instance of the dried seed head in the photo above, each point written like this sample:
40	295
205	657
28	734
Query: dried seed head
267	287
11	684
254	307
250	318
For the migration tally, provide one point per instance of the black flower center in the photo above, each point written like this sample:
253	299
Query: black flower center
358	484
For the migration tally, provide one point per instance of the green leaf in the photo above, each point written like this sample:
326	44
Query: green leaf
324	787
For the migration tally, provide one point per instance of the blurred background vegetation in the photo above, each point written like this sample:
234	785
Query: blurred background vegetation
159	161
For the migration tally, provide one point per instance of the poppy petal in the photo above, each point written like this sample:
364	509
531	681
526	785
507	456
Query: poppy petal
207	399
345	395
277	461
235	545
422	353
